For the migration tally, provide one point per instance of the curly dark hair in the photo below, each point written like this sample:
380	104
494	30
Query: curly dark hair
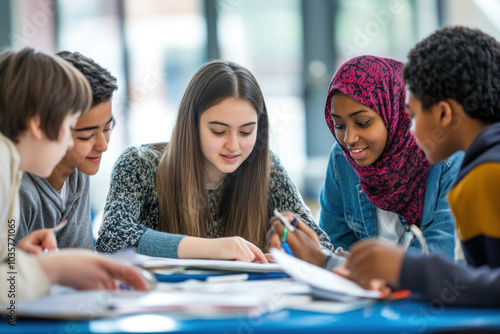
102	83
458	63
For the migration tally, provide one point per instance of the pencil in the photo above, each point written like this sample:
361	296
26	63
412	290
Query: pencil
60	226
285	221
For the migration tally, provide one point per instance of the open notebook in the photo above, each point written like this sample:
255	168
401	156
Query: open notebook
324	284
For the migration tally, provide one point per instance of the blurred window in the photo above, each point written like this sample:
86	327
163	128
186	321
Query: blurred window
166	43
266	37
383	28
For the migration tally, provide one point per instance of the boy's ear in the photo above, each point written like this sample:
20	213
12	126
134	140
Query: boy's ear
444	113
35	127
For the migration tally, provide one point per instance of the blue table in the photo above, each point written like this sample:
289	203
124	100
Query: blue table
386	317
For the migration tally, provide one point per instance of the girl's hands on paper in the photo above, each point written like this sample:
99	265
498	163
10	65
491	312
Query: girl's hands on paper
230	248
303	241
37	241
82	269
374	260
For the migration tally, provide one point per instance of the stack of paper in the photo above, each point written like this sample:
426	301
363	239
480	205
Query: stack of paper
96	304
286	286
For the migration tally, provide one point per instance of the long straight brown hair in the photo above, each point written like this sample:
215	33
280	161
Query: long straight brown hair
244	204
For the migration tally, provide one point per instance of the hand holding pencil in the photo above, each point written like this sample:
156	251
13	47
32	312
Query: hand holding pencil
300	240
289	226
41	240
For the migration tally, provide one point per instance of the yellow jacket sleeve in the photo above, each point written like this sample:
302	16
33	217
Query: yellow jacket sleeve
475	202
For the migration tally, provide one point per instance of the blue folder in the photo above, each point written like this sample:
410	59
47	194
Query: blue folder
196	275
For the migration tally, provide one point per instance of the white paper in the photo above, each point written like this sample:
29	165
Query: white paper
130	256
324	283
69	304
332	307
248	267
96	304
267	287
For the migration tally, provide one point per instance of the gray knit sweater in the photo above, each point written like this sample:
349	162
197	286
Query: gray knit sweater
42	207
131	212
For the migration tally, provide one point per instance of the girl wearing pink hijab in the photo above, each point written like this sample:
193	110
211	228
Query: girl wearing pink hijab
378	181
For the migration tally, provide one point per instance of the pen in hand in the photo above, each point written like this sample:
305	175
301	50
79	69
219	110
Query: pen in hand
284	244
56	228
288	227
285	221
60	226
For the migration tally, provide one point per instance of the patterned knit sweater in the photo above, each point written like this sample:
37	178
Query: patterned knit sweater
131	212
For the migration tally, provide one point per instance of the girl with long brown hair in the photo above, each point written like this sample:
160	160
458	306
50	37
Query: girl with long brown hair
210	192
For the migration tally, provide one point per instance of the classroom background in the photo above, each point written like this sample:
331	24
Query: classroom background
293	47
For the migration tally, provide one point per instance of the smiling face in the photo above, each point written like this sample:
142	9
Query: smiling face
91	138
358	128
228	131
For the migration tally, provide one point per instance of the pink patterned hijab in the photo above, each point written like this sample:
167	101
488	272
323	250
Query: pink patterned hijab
397	180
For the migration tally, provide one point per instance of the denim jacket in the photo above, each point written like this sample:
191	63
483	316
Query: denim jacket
347	215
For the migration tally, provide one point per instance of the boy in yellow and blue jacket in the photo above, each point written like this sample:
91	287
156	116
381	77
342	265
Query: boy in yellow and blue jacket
454	81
